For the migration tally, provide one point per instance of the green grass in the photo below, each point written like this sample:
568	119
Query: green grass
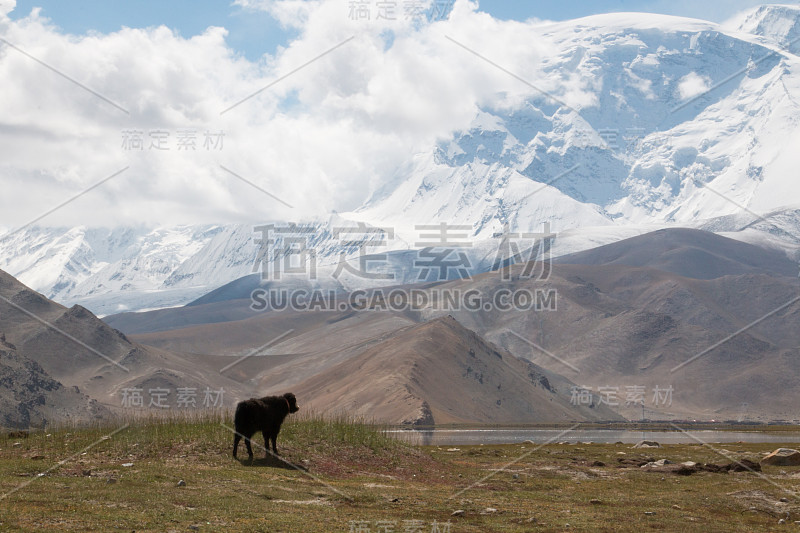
348	470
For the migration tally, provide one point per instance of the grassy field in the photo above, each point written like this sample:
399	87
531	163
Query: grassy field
350	477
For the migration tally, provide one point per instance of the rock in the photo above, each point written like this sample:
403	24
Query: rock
514	476
677	507
489	510
36	457
86	473
459	512
647	444
127	464
598	463
111	481
781	521
181	483
689	467
194	527
660	462
784	500
685	470
17	444
782	457
650	513
595	501
744	465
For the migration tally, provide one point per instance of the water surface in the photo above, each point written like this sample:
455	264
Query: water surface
463	437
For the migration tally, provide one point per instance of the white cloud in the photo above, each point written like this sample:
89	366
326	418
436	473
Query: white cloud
320	139
693	85
7	7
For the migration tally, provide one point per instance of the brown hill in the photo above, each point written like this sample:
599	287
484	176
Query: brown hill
385	366
55	361
440	372
30	398
725	346
621	325
689	253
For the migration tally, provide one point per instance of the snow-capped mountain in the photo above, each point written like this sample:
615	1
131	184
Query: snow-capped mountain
778	23
687	122
684	123
107	268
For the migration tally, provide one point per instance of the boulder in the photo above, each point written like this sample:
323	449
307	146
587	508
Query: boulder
744	465
647	444
782	457
656	464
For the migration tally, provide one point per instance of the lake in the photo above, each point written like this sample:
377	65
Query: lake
463	437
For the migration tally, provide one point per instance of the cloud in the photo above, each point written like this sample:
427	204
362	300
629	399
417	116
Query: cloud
320	134
693	85
7	6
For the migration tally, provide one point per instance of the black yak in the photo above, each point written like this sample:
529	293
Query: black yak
262	414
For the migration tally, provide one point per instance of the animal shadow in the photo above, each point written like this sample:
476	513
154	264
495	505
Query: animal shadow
272	461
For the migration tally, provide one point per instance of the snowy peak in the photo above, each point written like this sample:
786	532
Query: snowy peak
80	265
776	22
671	109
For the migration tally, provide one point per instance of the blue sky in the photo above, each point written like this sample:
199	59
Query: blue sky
255	33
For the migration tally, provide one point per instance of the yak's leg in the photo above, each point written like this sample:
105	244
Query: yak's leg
249	449
236	438
274	438
266	443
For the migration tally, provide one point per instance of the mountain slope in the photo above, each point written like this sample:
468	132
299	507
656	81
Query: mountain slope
385	366
440	372
72	366
688	253
30	398
776	22
723	346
